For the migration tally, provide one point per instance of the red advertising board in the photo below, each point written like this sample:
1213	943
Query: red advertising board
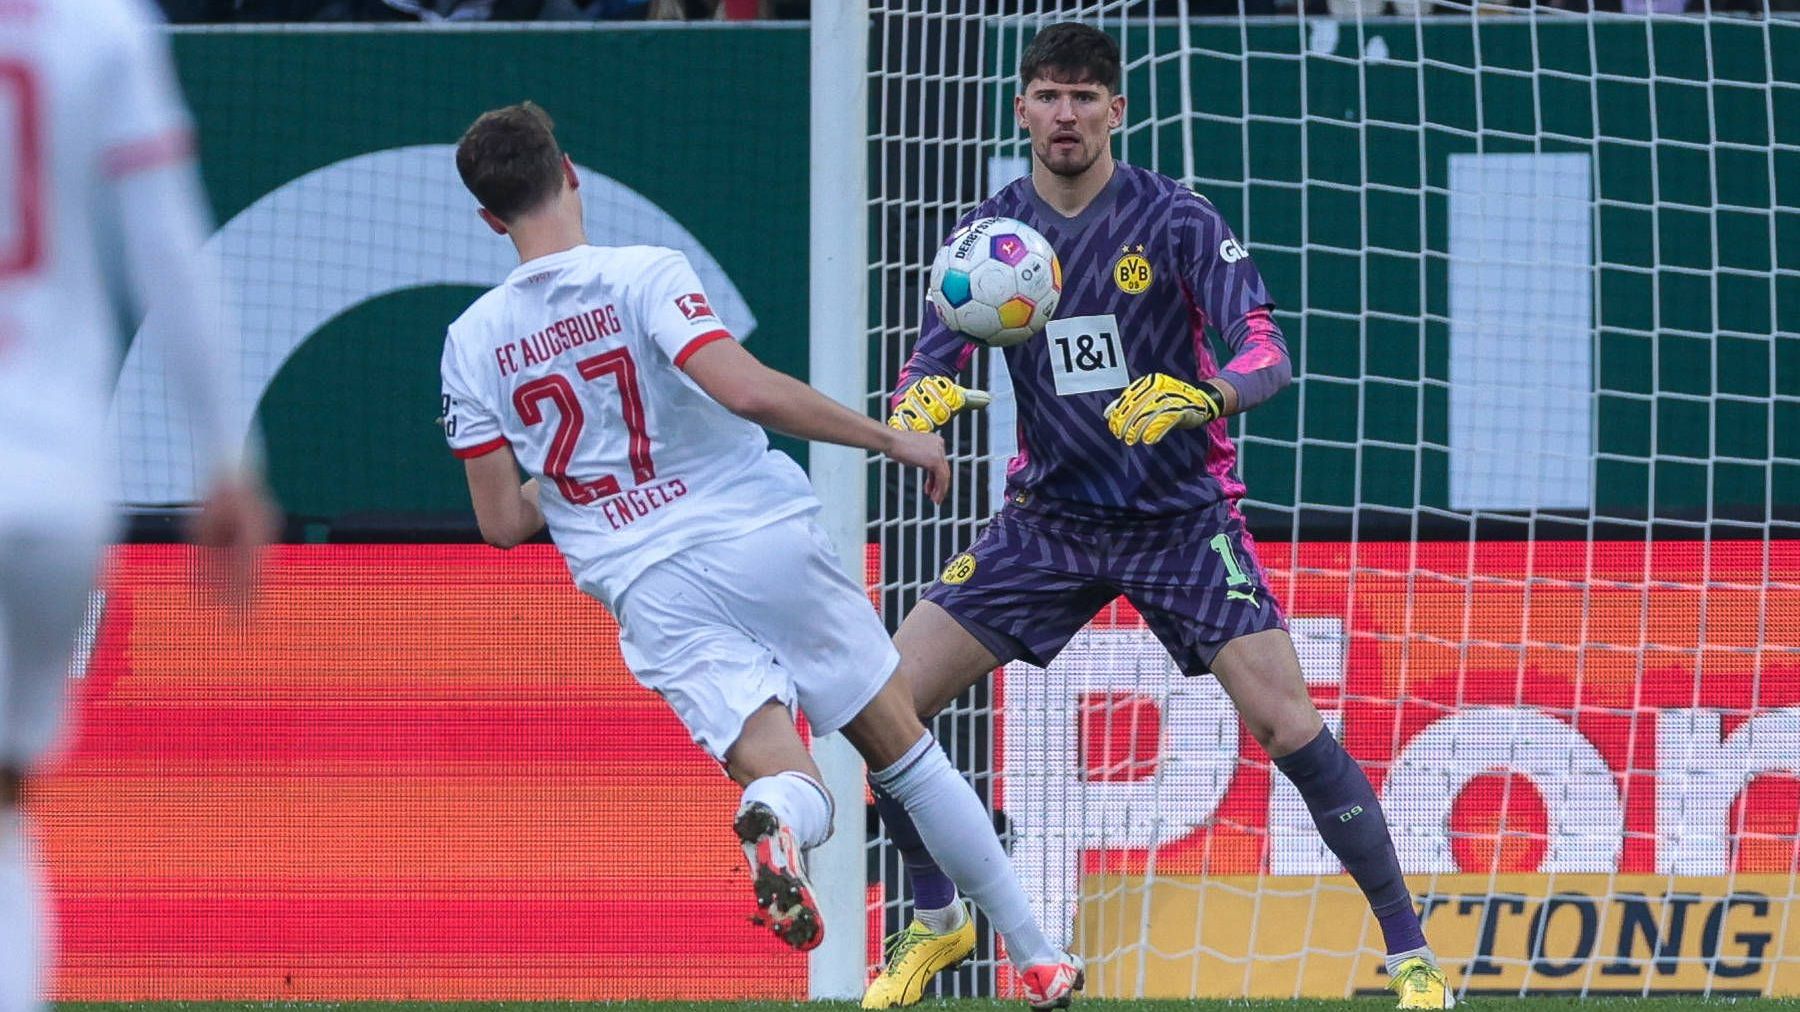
422	772
1626	651
1541	716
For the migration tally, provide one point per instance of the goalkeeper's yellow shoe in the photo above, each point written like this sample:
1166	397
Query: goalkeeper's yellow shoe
1421	984
914	956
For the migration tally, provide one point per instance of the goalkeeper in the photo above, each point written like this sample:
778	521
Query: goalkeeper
1125	484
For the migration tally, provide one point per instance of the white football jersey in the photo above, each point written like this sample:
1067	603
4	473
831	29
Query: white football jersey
98	197
575	362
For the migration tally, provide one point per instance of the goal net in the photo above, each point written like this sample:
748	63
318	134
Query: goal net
1531	503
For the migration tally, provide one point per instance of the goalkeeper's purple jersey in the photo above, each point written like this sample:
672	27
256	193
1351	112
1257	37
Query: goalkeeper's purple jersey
1146	267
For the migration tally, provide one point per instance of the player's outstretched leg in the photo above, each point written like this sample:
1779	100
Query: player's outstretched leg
957	829
784	813
941	660
1261	673
941	933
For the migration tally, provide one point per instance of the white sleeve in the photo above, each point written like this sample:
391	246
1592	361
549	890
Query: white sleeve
157	201
142	122
673	307
469	424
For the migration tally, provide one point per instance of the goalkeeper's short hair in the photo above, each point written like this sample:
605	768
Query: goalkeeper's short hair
1071	52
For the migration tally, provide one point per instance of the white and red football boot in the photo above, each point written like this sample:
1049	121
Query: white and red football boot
784	895
1052	985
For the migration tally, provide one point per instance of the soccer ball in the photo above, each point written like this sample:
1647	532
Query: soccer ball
995	281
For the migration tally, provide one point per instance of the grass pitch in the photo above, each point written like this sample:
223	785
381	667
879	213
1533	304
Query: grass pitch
945	1005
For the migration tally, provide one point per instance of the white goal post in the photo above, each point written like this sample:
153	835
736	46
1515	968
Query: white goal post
838	364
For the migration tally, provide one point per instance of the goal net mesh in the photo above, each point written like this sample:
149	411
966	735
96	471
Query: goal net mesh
1530	504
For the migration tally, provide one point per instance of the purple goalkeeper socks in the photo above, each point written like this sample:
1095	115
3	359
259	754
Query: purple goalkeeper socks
1337	793
931	888
1349	818
1401	929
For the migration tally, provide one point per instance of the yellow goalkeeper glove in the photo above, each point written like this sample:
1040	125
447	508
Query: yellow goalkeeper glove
1154	404
931	402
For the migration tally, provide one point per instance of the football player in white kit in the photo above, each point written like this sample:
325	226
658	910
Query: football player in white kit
606	374
96	170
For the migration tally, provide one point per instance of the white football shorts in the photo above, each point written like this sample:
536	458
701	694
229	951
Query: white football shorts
46	571
723	627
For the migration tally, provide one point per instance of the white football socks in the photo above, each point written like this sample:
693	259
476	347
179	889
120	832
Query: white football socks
799	801
1394	959
944	920
22	947
959	833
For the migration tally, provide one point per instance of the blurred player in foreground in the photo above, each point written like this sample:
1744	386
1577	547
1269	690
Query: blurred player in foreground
606	373
1125	484
96	168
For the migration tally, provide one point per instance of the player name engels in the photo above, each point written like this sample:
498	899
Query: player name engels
563	335
623	509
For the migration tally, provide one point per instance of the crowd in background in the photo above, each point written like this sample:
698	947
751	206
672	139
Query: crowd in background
1350	9
202	11
205	11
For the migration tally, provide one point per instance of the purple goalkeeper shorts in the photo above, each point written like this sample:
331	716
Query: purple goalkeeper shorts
1034	578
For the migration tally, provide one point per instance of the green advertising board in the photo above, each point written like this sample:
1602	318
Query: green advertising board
1330	147
349	420
1332	160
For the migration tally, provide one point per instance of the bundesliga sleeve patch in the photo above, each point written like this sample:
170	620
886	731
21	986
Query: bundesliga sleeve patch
693	306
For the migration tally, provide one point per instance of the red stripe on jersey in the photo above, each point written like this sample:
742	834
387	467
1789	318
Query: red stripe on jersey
700	342
19	89
147	153
480	449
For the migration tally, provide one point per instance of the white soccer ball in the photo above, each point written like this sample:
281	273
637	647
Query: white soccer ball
995	281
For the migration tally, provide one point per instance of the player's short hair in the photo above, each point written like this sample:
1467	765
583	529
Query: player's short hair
510	161
1072	53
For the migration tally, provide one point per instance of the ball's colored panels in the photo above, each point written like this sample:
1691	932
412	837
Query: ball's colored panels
1016	312
995	281
1008	248
955	287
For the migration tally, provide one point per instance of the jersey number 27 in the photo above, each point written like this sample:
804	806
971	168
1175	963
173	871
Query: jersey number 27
529	400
